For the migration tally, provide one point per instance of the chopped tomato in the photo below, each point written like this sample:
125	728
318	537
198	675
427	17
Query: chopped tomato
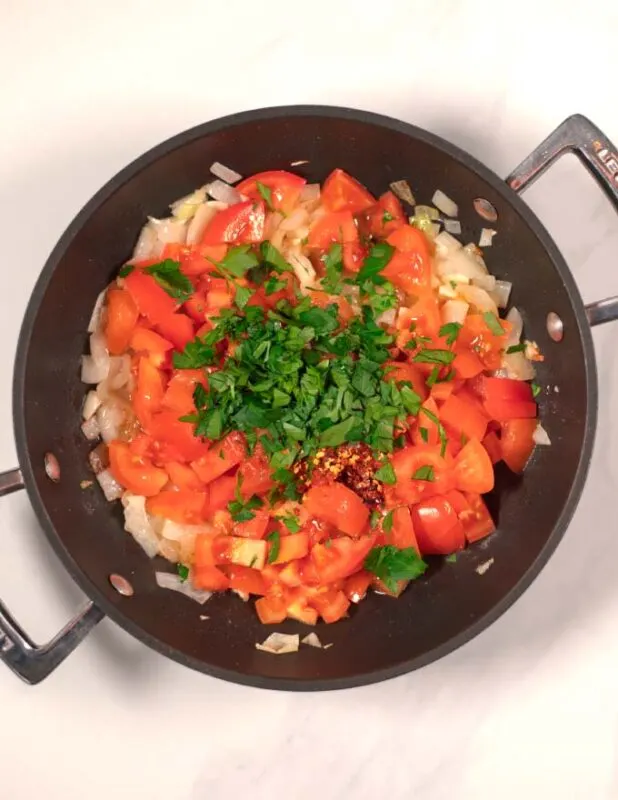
146	342
204	555
291	547
421	318
492	444
476	336
253	528
332	605
221	457
402	372
341	558
464	416
476	519
177	328
507	399
271	611
356	586
151	300
338	505
354	254
516	442
242	223
281	188
299	610
439	530
185	506
183	477
256	474
121	319
383	218
196	307
210	579
402	532
149	391
175	438
338	227
425	461
221	492
136	474
342	192
410	266
179	393
246	579
473	471
238	550
467	364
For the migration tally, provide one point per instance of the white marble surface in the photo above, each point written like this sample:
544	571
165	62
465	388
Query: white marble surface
528	709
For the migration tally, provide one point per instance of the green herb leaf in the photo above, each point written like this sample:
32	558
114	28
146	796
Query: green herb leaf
516	348
374	518
433	376
451	331
274	539
411	400
451	559
492	322
183	572
424	473
379	256
387	217
125	270
536	389
242	296
169	277
273	285
429	356
424	434
196	354
386	474
291	523
273	257
441	432
387	521
239	260
266	193
390	565
339	433
200	396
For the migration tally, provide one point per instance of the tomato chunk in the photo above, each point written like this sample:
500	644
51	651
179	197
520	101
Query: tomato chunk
221	457
136	474
122	315
291	547
342	558
338	505
517	443
242	223
438	528
151	300
282	188
342	192
464	416
473	471
185	507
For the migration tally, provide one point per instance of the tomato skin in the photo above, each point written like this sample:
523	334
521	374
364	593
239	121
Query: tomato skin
343	192
246	579
122	315
211	579
291	547
221	492
343	558
271	611
242	223
410	266
256	474
253	528
383	218
464	416
506	399
438	528
151	300
492	444
175	437
338	505
149	391
516	442
138	475
332	605
424	312
477	520
354	254
145	341
467	364
185	507
285	188
402	533
473	470
221	457
408	460
183	477
475	335
179	393
356	586
176	328
337	227
401	371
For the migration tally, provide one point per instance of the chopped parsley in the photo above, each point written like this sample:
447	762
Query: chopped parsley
183	572
169	277
387	521
266	193
127	269
536	389
391	565
493	323
430	356
516	348
425	473
386	474
451	331
274	540
291	523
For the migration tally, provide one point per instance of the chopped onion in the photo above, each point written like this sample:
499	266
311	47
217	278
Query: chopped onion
99	458
487	234
167	580
312	640
454	311
446	244
476	254
147	245
221	191
175	531
478	298
458	262
427	211
387	317
515	319
169	230
225	173
119	372
295	220
95	319
517	366
243	595
444	203
94	371
310	193
91	403
482	568
487	282
200	220
541	436
280	643
185	208
110	416
110	486
303	269
501	293
137	523
90	429
452	226
403	192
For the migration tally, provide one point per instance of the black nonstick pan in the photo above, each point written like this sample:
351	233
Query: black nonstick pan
383	637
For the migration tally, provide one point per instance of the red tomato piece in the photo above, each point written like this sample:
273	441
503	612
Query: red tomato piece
151	300
270	610
211	579
256	474
332	605
464	416
176	439
285	188
338	505
467	364
185	507
383	218
136	474
473	470
476	336
329	229
291	547
253	528
491	443
516	442
122	315
356	586
245	579
204	554
341	559
183	476
342	192
221	457
410	461
242	223
439	530
403	371
179	393
354	255
177	328
476	519
148	394
507	399
201	259
146	342
221	492
402	533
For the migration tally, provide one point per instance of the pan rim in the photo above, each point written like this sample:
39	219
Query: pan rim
143	162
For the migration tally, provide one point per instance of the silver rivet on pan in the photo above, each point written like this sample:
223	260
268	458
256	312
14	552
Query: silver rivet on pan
52	467
121	585
485	209
555	328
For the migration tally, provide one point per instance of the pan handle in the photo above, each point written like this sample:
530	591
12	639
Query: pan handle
580	136
31	662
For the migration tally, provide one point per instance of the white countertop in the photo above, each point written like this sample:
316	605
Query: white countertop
529	708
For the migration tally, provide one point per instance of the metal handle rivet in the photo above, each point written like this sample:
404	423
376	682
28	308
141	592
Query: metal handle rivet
52	467
485	209
555	327
121	585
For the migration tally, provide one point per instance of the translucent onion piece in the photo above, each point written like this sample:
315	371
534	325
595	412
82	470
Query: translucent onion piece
517	322
487	234
478	298
501	293
459	262
94	371
119	371
487	282
541	436
426	211
200	220
147	245
454	311
387	317
167	580
170	230
219	190
225	173
185	208
175	531
91	403
95	319
297	218
280	643
446	244
137	523
110	417
444	203
303	269
110	486
310	193
452	226
90	429
518	367
312	640
402	190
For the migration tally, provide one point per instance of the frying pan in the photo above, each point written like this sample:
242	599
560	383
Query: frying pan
383	637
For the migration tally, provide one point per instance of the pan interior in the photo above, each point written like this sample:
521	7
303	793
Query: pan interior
382	637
